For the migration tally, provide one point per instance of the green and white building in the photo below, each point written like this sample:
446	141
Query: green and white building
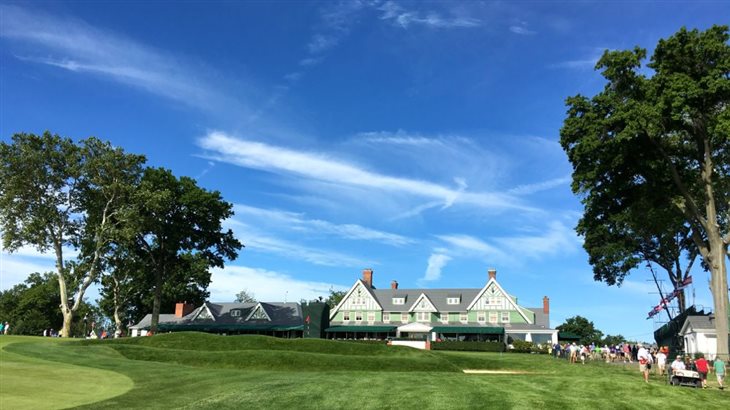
489	313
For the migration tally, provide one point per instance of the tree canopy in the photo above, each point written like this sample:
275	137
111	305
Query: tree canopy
245	296
582	327
57	194
177	231
651	160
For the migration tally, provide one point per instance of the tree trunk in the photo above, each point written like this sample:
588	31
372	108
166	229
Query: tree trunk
117	305
63	305
718	284
156	302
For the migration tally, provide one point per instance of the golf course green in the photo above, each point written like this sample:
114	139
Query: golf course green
196	370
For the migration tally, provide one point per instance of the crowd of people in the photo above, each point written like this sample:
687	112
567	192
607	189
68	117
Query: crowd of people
647	358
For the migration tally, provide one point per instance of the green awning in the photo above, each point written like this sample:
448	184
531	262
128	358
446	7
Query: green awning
375	329
568	336
469	330
227	327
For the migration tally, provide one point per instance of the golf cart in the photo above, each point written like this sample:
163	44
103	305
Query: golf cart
685	378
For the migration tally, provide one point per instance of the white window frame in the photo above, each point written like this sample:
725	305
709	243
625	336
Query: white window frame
404	317
346	316
444	318
482	317
452	301
371	317
235	313
358	316
399	301
493	317
423	317
464	317
505	317
386	317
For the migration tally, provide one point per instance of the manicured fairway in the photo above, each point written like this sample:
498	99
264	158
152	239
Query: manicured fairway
204	371
28	382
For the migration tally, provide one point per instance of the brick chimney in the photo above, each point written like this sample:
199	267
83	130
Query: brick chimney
546	305
183	309
367	277
492	273
394	284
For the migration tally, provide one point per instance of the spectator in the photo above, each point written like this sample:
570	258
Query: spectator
6	329
719	367
644	362
702	369
661	362
678	364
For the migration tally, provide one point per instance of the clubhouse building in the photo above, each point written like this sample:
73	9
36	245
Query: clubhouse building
485	314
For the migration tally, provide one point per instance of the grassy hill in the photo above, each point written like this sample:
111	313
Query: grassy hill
193	370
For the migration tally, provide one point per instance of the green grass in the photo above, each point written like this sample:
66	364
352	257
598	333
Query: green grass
29	382
205	371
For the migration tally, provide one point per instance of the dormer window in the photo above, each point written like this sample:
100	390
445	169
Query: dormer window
399	301
235	313
452	301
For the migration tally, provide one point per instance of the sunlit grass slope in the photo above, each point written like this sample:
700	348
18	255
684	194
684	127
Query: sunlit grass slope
29	382
233	372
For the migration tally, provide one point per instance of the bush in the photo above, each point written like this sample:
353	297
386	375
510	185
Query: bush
468	346
521	346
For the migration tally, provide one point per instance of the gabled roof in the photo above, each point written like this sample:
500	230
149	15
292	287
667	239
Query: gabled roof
258	308
349	292
510	301
438	298
704	323
427	302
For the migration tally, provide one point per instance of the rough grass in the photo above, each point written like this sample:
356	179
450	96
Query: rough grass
208	382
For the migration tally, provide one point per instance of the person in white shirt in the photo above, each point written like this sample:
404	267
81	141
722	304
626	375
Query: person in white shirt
661	362
645	361
677	364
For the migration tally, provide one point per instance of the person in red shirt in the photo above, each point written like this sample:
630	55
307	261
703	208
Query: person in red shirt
702	369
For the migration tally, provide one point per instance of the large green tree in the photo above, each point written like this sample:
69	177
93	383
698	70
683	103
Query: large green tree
56	194
578	325
178	233
32	306
663	135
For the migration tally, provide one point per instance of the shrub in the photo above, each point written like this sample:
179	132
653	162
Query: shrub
468	346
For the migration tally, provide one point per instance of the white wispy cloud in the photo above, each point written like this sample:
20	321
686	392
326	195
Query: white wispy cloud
298	222
325	168
521	28
436	262
554	239
540	186
585	63
15	268
398	15
470	246
255	240
266	285
74	45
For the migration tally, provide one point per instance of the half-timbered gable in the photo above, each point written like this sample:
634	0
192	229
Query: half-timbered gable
493	298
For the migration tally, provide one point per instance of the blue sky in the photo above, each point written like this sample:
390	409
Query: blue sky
418	139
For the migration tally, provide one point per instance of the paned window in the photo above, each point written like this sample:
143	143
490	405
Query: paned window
452	301
358	316
505	317
445	317
386	317
481	317
493	316
399	301
423	316
235	313
346	316
371	316
464	317
404	317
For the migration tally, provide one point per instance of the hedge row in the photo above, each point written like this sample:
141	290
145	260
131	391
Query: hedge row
468	346
520	346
